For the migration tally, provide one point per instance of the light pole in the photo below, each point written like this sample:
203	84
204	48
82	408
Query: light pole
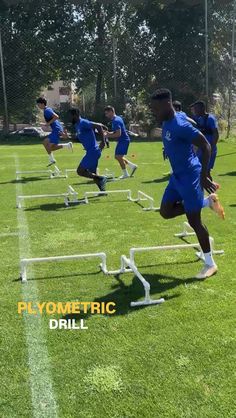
206	53
231	73
6	118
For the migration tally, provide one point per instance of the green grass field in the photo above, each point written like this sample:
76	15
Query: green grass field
176	360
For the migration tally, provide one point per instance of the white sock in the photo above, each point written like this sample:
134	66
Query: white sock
206	202
209	261
51	157
131	165
125	172
65	145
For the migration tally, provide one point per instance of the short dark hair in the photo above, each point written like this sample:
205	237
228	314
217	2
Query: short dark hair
177	105
161	94
74	111
109	109
42	100
199	103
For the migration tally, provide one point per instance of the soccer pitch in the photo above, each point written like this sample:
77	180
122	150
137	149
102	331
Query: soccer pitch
176	360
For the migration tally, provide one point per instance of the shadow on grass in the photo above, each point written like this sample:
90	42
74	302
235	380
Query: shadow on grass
25	180
160	180
52	207
233	205
225	155
230	173
123	294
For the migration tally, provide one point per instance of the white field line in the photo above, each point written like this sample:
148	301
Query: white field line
42	393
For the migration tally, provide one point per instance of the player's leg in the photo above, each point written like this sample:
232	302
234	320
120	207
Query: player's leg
88	168
48	147
133	167
193	200
212	162
120	152
201	231
171	204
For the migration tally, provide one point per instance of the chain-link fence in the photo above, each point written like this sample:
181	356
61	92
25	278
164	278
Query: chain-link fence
91	53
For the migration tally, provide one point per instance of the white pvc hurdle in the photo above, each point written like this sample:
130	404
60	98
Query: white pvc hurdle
56	173
71	193
69	170
127	266
188	231
97	194
26	261
145	197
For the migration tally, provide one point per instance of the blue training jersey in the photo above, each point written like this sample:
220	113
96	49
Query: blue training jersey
85	134
206	124
118	123
48	115
177	135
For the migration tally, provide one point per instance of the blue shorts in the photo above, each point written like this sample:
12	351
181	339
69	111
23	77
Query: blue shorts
122	148
90	160
187	189
212	159
54	137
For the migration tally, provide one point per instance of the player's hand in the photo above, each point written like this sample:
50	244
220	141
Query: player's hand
165	157
208	185
101	145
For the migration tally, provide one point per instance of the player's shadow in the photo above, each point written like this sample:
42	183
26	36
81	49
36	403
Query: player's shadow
233	205
123	294
52	207
230	173
160	180
25	180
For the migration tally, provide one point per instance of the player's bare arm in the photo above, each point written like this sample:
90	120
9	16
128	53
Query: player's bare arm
114	135
201	142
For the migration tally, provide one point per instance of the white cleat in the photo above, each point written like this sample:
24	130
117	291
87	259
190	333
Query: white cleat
70	146
125	176
133	169
206	272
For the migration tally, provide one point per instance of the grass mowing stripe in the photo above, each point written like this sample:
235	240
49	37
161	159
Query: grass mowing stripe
43	398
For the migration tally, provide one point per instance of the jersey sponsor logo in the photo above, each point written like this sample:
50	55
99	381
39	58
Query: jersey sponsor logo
168	136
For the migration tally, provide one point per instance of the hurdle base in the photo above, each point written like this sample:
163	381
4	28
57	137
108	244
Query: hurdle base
147	302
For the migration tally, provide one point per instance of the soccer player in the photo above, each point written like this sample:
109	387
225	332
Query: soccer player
207	124
119	132
86	136
184	193
178	108
51	143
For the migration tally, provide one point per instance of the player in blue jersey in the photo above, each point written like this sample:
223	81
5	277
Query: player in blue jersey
184	193
178	108
208	125
120	133
86	136
51	143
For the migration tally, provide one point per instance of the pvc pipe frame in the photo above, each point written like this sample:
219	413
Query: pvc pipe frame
26	261
188	231
52	174
127	265
71	193
143	196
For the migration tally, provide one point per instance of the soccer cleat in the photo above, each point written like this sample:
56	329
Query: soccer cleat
215	205
124	176
133	169
102	183
206	272
70	146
